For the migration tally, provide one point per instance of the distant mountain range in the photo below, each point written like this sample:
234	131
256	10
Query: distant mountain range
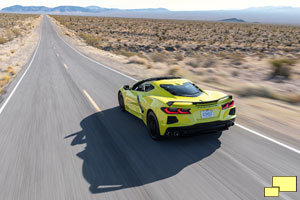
72	9
233	20
273	15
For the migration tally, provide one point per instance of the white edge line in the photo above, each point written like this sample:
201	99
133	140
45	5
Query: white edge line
240	126
268	138
15	88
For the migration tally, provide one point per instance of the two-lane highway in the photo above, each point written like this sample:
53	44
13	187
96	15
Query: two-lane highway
62	136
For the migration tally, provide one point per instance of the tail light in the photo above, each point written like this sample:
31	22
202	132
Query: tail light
228	105
176	110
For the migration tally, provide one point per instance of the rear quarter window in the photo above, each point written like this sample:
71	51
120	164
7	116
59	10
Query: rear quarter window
187	89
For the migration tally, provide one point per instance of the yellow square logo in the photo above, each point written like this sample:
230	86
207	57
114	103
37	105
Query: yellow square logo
271	191
285	183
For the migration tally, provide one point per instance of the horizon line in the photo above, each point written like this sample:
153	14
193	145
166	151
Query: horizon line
233	9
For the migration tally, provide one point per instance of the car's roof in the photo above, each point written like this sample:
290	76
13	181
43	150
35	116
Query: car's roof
170	81
162	80
158	79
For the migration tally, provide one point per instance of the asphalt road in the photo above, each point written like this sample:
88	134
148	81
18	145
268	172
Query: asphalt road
55	145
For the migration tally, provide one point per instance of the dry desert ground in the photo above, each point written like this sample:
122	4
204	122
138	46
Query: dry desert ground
19	34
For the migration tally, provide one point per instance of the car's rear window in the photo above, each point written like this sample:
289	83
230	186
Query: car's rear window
187	89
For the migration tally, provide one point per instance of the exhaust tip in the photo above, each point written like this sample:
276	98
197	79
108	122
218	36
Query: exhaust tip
176	133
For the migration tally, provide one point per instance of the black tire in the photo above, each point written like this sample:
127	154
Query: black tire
153	126
121	101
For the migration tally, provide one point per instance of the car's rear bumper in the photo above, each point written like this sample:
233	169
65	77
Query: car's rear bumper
201	128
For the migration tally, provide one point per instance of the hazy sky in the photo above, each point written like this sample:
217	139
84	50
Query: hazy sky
170	4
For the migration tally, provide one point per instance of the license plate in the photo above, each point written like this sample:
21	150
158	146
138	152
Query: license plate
207	114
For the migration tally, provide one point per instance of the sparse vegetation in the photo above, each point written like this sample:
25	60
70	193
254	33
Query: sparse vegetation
10	70
193	63
125	53
3	40
91	40
149	35
228	54
16	31
282	67
129	53
268	92
174	71
4	80
12	27
158	57
179	56
138	60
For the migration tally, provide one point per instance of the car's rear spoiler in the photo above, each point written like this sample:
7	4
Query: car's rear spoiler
170	103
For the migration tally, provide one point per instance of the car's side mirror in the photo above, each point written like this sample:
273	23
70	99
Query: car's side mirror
126	87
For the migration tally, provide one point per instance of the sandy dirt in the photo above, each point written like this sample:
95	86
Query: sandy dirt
16	53
282	119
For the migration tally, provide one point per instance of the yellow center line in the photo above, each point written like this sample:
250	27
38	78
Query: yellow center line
65	66
92	101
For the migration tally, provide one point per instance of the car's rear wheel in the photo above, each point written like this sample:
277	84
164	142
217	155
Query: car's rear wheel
153	126
121	101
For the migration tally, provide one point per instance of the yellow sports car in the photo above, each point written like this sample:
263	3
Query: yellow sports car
173	106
